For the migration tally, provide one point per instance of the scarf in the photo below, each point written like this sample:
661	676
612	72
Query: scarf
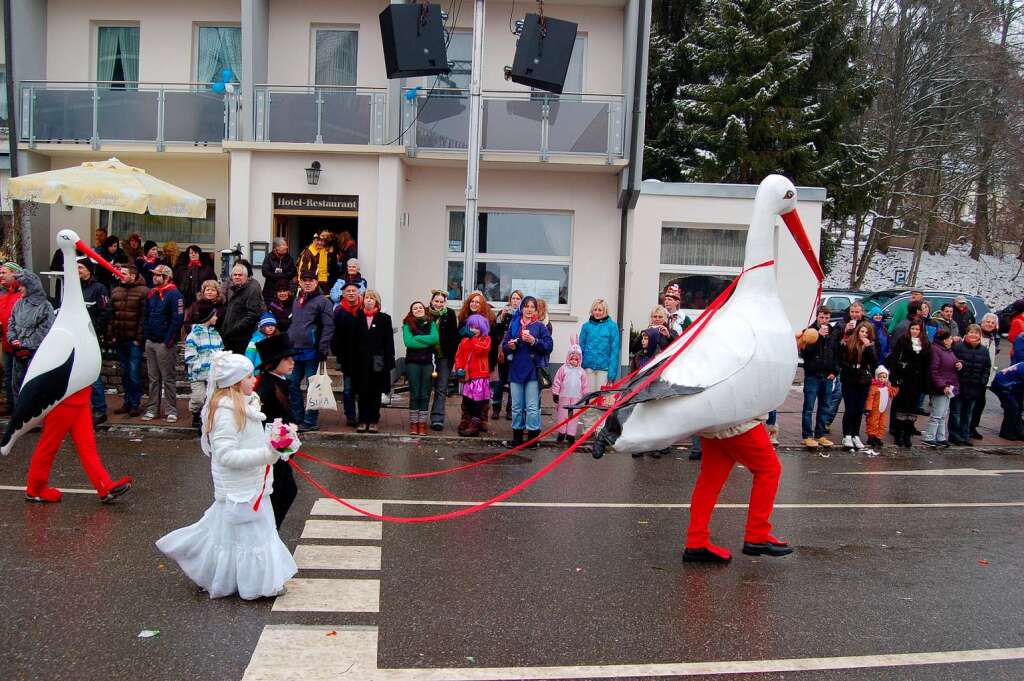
161	290
353	308
915	344
369	317
883	394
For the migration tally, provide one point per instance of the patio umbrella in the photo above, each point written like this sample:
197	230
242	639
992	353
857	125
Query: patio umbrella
108	185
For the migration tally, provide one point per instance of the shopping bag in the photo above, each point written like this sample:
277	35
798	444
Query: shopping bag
319	392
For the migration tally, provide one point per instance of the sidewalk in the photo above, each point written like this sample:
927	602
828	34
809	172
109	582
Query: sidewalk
395	422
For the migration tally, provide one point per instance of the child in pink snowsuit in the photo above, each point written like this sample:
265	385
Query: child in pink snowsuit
567	387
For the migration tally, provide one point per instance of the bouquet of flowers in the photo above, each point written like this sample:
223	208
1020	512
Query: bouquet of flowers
283	438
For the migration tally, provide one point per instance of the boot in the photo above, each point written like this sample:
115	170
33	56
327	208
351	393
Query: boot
43	495
531	435
424	419
495	412
561	438
508	411
517	438
197	420
414	423
484	418
474	428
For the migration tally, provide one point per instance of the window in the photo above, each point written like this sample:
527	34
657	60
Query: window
701	259
460	58
334	57
117	56
218	48
161	228
511	250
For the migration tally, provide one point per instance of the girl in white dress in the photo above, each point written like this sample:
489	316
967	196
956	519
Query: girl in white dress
234	549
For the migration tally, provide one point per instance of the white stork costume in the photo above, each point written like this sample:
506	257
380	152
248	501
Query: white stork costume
737	367
57	385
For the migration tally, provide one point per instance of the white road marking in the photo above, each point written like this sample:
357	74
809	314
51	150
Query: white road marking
941	472
342	529
329	595
65	490
320	557
330	507
311	654
375	505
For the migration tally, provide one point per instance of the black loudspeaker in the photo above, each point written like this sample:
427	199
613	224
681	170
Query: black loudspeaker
413	38
543	53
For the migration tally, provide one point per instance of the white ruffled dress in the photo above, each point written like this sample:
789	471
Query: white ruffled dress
233	549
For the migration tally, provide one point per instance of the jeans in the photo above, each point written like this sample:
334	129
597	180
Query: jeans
525	405
348	399
130	356
816	389
979	409
444	370
419	385
498	387
960	413
304	368
833	400
854	397
9	379
160	361
936	431
98	398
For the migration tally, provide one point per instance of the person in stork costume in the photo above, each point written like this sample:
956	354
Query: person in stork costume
57	387
737	365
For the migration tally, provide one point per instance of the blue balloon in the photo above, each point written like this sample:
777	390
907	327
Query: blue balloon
226	75
218	87
412	93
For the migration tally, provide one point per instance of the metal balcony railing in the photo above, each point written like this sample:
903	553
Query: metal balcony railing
99	112
519	122
320	114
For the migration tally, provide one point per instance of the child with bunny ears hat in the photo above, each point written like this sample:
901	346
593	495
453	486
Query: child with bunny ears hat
567	387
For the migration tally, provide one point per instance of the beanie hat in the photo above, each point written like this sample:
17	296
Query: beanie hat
673	291
204	310
148	245
13	266
881	370
267	320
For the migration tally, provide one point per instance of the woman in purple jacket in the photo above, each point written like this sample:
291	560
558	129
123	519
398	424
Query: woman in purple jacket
945	385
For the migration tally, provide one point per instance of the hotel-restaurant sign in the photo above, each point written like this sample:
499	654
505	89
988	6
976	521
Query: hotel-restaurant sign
315	202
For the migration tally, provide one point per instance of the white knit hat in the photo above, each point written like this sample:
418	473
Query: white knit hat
881	370
226	369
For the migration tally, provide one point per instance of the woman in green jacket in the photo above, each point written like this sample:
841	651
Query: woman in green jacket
419	332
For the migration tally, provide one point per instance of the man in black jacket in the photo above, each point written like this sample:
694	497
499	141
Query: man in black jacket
97	302
311	332
243	309
821	365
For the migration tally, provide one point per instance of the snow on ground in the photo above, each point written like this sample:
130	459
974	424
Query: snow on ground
989	278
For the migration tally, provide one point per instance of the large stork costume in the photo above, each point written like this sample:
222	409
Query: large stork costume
57	386
738	366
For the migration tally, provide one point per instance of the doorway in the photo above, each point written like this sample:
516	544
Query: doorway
299	217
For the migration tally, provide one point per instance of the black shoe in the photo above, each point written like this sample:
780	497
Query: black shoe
533	435
766	549
115	492
517	439
944	444
655	454
97	419
561	438
437	426
495	412
915	431
694	456
955	441
570	440
307	428
975	435
197	420
637	455
703	555
352	423
966	443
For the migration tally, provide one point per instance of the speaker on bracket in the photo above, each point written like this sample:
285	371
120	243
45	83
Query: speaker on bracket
543	53
413	39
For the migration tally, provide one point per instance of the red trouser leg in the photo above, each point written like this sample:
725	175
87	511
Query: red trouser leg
55	426
73	414
715	466
85	444
754	450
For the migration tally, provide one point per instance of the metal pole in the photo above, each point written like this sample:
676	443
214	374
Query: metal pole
12	138
475	128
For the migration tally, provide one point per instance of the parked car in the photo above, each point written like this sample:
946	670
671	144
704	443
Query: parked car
889	299
1006	315
839	301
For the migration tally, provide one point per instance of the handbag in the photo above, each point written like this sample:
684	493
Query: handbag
319	391
543	378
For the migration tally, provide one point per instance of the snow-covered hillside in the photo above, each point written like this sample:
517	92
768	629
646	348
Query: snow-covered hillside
989	278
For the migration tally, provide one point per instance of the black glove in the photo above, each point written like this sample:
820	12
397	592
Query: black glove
554	397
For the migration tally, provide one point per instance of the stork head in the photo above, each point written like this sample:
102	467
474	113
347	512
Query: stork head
67	240
780	195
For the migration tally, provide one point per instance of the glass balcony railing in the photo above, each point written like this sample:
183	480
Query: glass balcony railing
320	114
518	122
96	113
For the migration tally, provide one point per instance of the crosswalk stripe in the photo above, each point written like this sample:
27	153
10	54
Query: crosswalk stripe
320	557
329	595
342	529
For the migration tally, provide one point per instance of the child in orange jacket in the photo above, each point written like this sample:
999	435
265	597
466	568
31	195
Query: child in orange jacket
473	370
880	397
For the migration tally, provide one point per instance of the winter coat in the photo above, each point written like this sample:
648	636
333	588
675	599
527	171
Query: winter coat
599	339
273	392
909	371
367	341
881	340
854	372
312	324
276	268
951	326
241	314
1010	381
32	316
97	303
448	336
471	357
189	278
251	353
344	331
963	319
102	275
822	358
239	459
146	268
1017	350
200	344
877	412
342	281
526	358
315	261
973	375
282	313
165	313
128	302
660	342
8	299
420	340
943	370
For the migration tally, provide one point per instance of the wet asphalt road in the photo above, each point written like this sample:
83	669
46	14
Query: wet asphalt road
533	586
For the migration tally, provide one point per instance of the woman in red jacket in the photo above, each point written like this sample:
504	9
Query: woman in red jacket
474	372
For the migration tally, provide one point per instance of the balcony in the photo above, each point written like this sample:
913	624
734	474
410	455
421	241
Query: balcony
320	114
533	123
98	113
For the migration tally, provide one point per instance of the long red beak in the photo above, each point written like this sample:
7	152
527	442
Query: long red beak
86	249
796	228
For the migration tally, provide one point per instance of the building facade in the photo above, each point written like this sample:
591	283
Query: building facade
235	99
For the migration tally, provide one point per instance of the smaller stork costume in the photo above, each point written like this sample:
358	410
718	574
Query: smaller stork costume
735	368
57	386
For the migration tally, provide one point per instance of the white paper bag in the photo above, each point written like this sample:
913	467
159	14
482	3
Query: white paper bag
319	393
